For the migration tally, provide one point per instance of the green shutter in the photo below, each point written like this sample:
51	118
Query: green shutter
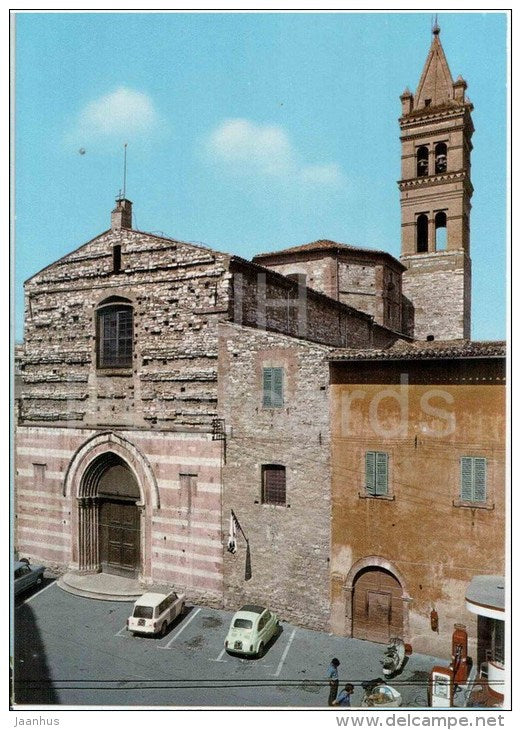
370	472
273	383
466	478
267	387
480	479
381	473
277	395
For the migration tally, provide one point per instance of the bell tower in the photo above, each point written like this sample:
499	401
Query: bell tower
435	192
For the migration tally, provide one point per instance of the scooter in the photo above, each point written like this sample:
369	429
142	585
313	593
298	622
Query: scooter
394	657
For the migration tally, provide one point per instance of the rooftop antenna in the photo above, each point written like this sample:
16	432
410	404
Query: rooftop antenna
125	170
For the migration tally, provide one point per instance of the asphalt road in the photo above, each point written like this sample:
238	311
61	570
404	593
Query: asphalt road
77	652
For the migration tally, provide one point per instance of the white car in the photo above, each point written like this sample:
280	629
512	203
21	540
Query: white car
154	612
251	630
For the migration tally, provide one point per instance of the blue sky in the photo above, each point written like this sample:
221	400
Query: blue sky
246	132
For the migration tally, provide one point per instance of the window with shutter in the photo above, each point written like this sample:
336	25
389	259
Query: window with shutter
376	473
370	472
381	473
272	387
274	484
473	479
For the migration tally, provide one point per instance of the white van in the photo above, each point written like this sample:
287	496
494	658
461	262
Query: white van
153	612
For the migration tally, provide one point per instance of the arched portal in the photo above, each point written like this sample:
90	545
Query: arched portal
377	605
90	462
109	518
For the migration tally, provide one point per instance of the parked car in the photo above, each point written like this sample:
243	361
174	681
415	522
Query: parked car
251	630
26	575
153	612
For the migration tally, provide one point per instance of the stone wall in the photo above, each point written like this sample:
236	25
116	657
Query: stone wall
267	300
319	270
178	292
289	543
362	280
438	286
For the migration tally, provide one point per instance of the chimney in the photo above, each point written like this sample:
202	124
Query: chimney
121	216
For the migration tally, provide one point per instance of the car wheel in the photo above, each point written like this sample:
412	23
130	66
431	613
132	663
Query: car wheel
260	653
39	580
163	629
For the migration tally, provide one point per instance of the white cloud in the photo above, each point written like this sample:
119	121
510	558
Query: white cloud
322	174
123	112
266	149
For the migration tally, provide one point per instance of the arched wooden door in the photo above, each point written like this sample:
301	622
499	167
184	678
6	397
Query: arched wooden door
119	520
119	543
377	606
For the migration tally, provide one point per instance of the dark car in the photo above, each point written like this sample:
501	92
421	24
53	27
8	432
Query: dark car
26	575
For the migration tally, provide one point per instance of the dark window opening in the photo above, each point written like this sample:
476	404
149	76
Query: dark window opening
422	161
422	233
427	102
116	259
440	157
299	278
274	484
114	336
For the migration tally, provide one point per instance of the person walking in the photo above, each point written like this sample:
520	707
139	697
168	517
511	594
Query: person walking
344	698
332	675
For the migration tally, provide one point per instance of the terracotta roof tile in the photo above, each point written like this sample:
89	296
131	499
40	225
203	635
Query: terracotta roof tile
401	350
323	244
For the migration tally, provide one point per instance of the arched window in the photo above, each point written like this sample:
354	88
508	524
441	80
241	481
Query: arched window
422	233
440	225
422	161
440	157
114	324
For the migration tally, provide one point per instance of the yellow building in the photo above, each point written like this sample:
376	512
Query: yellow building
418	474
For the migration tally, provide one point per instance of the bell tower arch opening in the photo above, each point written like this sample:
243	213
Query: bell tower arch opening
435	193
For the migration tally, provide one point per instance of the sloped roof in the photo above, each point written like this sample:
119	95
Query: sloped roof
421	350
72	256
436	79
325	244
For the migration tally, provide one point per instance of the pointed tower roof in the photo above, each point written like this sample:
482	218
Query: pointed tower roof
436	85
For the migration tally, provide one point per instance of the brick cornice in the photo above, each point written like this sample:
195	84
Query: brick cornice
429	180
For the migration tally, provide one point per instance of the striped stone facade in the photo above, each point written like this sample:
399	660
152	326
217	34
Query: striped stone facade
180	520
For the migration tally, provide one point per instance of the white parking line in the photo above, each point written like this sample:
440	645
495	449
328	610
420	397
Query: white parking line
120	632
28	600
183	627
285	654
219	657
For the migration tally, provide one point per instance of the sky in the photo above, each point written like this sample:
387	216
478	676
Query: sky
246	132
